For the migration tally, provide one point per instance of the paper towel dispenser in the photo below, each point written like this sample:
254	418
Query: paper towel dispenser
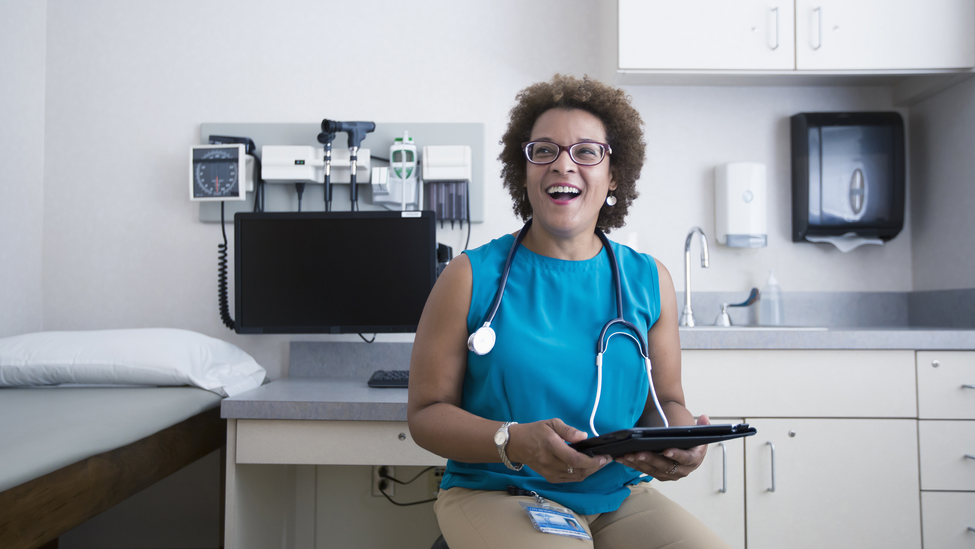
848	175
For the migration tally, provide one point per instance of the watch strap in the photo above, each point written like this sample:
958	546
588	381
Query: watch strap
502	447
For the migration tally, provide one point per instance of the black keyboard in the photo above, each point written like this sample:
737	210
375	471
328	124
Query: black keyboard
395	379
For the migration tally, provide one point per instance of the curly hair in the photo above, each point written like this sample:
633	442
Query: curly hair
624	133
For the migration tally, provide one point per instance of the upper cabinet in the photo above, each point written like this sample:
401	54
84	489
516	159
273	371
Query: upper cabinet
791	36
707	35
884	34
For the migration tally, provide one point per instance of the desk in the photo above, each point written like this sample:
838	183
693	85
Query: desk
278	433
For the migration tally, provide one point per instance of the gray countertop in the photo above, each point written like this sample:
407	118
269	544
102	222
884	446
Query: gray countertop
307	397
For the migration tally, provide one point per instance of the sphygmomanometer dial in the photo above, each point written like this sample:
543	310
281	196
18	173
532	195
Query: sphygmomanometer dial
215	172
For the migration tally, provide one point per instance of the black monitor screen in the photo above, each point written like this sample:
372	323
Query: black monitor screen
333	272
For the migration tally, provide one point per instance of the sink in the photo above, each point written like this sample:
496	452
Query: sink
705	328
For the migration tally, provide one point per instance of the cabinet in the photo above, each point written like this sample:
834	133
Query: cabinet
946	430
707	35
791	36
843	427
884	34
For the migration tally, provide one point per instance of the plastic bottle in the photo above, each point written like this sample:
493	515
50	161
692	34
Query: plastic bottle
770	303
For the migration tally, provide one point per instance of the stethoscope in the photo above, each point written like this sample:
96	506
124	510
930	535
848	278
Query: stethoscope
483	339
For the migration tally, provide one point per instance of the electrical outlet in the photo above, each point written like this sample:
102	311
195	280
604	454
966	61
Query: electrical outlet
379	484
435	476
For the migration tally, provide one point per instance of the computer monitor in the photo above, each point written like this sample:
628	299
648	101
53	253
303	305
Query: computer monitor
333	272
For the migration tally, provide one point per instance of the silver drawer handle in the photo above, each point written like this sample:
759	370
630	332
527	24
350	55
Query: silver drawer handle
966	386
971	529
969	456
772	489
819	12
776	46
724	468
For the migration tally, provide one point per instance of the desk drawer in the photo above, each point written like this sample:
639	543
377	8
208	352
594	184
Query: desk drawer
940	389
944	445
300	442
947	517
775	383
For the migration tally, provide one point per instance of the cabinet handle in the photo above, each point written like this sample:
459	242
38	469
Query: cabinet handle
772	489
967	386
819	12
969	456
776	11
724	468
970	529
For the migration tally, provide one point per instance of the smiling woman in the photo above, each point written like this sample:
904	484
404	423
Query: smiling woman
502	407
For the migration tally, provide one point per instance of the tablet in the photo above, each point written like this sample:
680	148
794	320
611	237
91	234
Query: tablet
658	439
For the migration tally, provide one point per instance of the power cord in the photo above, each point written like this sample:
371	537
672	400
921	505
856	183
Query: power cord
222	300
382	487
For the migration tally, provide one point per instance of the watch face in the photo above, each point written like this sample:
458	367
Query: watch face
500	438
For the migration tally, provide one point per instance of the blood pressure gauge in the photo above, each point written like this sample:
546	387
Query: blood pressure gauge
220	172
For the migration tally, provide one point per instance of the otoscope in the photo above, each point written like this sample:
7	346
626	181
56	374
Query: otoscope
357	132
326	139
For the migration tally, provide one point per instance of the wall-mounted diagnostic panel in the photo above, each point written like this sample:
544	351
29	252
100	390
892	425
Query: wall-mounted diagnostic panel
220	172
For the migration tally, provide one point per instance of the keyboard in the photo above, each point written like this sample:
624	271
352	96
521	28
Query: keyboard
390	379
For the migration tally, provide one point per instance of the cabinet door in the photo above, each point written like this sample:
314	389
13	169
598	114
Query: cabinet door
949	518
715	492
706	34
837	483
946	384
884	34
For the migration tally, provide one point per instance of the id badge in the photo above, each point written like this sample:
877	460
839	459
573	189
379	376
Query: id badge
554	520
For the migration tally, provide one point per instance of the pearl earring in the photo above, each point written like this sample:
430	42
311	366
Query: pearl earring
611	201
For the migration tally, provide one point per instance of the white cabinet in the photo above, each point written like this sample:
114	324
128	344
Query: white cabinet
706	34
837	483
884	34
789	36
715	493
843	426
946	407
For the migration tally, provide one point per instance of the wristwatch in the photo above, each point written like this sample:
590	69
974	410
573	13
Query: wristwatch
501	441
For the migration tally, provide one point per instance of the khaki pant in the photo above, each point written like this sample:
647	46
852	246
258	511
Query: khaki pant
482	519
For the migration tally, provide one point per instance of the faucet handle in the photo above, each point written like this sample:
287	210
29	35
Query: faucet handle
724	319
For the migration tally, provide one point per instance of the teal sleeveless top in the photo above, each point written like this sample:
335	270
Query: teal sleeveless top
543	365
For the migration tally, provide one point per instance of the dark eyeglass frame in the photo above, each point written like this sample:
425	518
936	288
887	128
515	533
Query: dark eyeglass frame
607	150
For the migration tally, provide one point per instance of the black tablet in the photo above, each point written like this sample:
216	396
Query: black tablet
658	439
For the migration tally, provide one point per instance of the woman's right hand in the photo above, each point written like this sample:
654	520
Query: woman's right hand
542	446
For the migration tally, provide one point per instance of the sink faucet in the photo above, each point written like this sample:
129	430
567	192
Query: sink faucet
687	318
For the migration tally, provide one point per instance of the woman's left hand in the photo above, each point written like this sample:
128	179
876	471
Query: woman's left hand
671	464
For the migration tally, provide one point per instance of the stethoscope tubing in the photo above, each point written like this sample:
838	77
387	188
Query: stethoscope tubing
476	341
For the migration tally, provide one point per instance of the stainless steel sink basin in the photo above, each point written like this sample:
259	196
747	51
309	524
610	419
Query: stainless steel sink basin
755	328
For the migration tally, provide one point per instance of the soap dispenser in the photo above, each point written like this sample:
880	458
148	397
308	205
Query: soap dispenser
740	197
770	303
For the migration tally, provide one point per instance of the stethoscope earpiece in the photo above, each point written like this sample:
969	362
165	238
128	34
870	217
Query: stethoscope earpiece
482	340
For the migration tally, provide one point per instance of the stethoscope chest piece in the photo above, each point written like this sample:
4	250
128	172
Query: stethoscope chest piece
482	340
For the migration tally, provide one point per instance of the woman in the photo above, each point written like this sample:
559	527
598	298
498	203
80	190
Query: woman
503	417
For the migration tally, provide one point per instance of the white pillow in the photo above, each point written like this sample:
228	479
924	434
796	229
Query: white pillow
152	356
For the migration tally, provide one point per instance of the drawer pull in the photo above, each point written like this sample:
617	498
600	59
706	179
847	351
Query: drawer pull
776	46
772	489
969	456
724	468
819	12
966	386
971	529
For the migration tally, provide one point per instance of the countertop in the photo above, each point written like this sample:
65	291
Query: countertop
349	398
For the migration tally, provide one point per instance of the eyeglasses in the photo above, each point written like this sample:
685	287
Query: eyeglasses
587	153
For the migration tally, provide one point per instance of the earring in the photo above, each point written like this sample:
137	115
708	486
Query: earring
610	200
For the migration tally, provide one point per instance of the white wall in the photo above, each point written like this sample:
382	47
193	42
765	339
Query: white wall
130	82
943	189
22	63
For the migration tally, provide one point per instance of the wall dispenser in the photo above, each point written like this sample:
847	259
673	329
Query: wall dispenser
740	198
848	178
